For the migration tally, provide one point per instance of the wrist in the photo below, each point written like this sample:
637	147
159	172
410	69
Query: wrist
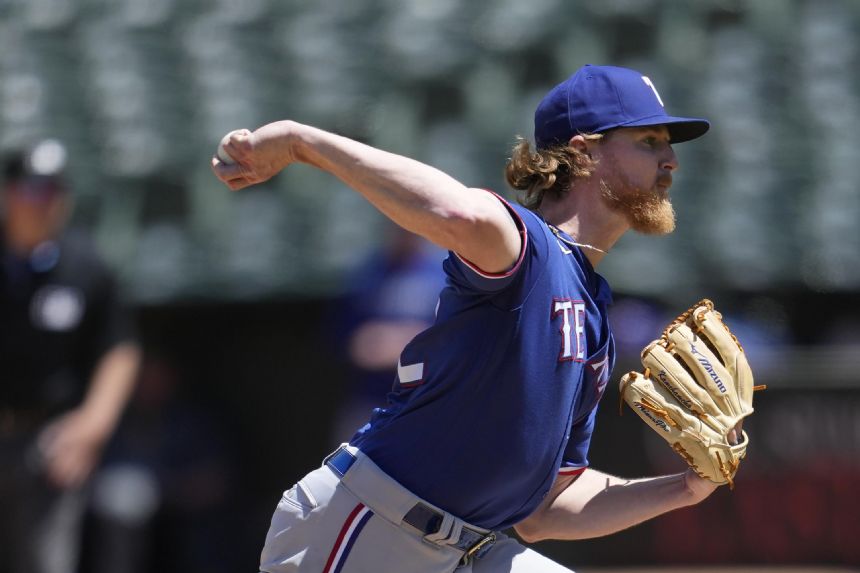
286	139
95	423
697	488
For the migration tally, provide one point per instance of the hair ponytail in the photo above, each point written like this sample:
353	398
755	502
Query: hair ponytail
536	173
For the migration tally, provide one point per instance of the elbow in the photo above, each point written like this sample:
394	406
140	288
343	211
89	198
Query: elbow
531	530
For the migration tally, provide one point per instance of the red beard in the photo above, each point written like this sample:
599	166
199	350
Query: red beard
648	212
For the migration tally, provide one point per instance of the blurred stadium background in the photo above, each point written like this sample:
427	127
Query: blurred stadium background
234	288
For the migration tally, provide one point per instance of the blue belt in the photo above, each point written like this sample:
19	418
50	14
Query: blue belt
422	517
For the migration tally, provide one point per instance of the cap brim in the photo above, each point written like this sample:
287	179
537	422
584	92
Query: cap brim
685	128
680	128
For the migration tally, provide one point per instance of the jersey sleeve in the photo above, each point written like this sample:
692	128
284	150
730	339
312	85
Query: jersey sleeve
466	275
111	321
575	458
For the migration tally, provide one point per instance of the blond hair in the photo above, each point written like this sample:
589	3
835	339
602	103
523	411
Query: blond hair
541	172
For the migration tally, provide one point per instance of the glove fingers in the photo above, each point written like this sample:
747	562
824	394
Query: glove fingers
643	396
661	409
720	340
708	370
744	384
677	380
708	323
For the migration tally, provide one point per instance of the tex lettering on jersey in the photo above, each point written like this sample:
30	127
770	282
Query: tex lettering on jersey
598	373
570	314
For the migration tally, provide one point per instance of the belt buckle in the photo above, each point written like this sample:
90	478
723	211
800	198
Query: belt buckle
479	549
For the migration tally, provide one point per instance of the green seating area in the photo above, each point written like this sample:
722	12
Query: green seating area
142	90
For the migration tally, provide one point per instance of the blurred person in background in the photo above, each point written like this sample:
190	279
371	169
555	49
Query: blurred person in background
390	298
160	499
68	361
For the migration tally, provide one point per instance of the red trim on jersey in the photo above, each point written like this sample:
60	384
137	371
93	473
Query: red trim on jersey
570	471
523	244
411	383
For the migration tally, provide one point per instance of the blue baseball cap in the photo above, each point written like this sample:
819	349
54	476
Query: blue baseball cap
599	98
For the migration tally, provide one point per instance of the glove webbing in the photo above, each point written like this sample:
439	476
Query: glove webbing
698	320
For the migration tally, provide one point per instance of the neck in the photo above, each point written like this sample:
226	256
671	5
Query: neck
22	244
557	232
591	225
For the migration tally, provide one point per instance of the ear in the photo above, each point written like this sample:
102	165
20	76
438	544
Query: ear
579	143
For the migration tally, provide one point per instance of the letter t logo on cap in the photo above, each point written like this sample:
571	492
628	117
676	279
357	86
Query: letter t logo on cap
650	84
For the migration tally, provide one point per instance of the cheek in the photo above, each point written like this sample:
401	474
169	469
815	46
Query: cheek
641	171
609	165
631	165
628	176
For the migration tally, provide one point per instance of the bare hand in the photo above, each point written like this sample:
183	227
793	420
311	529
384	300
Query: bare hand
70	448
259	155
736	434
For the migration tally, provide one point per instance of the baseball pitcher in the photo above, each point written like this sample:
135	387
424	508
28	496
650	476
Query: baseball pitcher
492	410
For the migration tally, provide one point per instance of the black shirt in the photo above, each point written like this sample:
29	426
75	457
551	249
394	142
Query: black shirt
59	313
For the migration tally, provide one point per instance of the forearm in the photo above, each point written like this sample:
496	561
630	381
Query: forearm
111	387
72	444
417	197
597	504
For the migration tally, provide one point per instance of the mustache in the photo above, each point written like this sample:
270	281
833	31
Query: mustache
664	180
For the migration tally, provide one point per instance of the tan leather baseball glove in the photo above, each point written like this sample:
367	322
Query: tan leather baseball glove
696	389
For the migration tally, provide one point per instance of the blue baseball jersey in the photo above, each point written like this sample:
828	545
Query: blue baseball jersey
499	395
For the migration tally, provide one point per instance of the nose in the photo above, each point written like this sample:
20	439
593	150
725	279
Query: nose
669	161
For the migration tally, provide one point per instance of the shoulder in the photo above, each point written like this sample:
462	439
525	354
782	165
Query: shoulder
535	231
79	246
82	263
